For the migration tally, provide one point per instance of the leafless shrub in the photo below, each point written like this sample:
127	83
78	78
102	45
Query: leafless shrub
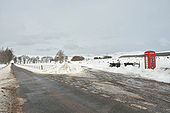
107	57
104	57
77	58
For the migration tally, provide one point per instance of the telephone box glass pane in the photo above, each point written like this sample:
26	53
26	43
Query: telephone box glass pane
146	61
152	61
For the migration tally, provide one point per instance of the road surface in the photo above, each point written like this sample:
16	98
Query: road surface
65	94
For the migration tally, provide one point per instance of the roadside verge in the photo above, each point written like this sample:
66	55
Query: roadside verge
9	103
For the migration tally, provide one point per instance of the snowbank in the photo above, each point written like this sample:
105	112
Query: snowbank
6	82
37	68
64	68
2	65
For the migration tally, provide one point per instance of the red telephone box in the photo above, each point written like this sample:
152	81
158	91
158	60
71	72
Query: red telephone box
150	59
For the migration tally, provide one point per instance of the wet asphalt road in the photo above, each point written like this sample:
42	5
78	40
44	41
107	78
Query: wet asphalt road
46	95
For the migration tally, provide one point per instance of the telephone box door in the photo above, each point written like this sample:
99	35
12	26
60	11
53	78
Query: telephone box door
152	61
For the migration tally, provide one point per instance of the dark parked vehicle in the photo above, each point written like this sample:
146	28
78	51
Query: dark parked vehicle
115	64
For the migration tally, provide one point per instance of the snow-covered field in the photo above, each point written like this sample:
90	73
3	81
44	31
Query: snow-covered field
161	73
7	81
2	65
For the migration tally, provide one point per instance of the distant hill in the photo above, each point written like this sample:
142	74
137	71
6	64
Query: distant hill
142	55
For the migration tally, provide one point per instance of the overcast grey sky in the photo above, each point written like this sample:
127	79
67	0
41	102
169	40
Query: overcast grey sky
42	27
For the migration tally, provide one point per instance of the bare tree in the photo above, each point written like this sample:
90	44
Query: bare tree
66	58
23	58
6	56
20	60
46	59
37	59
15	59
33	60
60	56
